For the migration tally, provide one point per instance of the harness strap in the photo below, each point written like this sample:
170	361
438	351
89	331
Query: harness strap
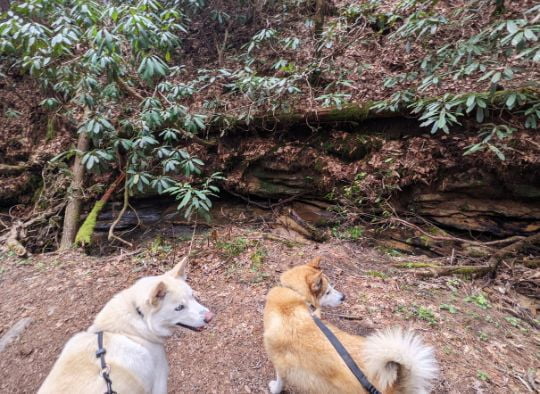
105	370
345	356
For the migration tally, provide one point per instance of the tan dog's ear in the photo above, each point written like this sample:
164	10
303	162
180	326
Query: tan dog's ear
158	293
316	283
315	263
179	270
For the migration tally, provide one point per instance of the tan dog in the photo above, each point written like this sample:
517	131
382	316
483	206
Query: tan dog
394	361
135	323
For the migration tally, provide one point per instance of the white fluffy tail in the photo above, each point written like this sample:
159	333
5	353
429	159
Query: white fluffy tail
397	356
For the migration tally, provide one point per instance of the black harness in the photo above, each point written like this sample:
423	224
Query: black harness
105	370
345	356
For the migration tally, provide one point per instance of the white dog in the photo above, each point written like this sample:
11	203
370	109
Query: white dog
135	324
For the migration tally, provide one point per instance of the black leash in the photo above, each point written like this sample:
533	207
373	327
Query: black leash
105	370
345	356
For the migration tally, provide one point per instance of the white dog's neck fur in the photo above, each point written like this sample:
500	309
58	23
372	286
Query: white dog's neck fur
128	321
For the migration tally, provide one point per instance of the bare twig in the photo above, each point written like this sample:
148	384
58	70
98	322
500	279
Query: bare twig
122	211
342	316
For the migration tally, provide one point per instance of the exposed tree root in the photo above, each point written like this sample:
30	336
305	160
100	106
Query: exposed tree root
17	234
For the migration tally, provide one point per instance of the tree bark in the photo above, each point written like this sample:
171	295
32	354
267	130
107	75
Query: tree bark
73	209
319	24
499	7
4	5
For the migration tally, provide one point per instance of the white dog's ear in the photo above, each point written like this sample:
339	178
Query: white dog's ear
315	263
179	270
158	293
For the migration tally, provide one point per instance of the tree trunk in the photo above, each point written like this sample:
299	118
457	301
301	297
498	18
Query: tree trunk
499	7
4	5
319	23
73	209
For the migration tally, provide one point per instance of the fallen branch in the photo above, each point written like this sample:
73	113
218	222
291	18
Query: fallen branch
455	270
497	258
13	169
84	235
529	263
416	265
286	241
354	112
346	317
196	139
128	89
437	237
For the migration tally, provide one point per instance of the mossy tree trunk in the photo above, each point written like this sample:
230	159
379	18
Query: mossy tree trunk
353	112
84	235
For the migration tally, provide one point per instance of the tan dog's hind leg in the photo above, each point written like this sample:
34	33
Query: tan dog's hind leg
276	386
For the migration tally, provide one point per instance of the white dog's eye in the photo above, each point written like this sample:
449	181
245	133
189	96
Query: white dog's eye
179	308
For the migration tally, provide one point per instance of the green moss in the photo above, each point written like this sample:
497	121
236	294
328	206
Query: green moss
377	274
351	112
51	132
257	259
417	265
234	247
84	235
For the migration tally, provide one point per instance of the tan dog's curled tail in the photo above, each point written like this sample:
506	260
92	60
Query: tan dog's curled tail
397	356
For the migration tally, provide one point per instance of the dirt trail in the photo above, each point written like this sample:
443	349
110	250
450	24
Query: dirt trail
480	347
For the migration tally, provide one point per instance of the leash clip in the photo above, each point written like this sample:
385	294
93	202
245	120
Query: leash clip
105	371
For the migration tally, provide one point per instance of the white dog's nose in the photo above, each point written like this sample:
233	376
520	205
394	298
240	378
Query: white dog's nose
208	316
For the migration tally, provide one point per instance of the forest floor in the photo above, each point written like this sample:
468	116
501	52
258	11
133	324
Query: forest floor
480	346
